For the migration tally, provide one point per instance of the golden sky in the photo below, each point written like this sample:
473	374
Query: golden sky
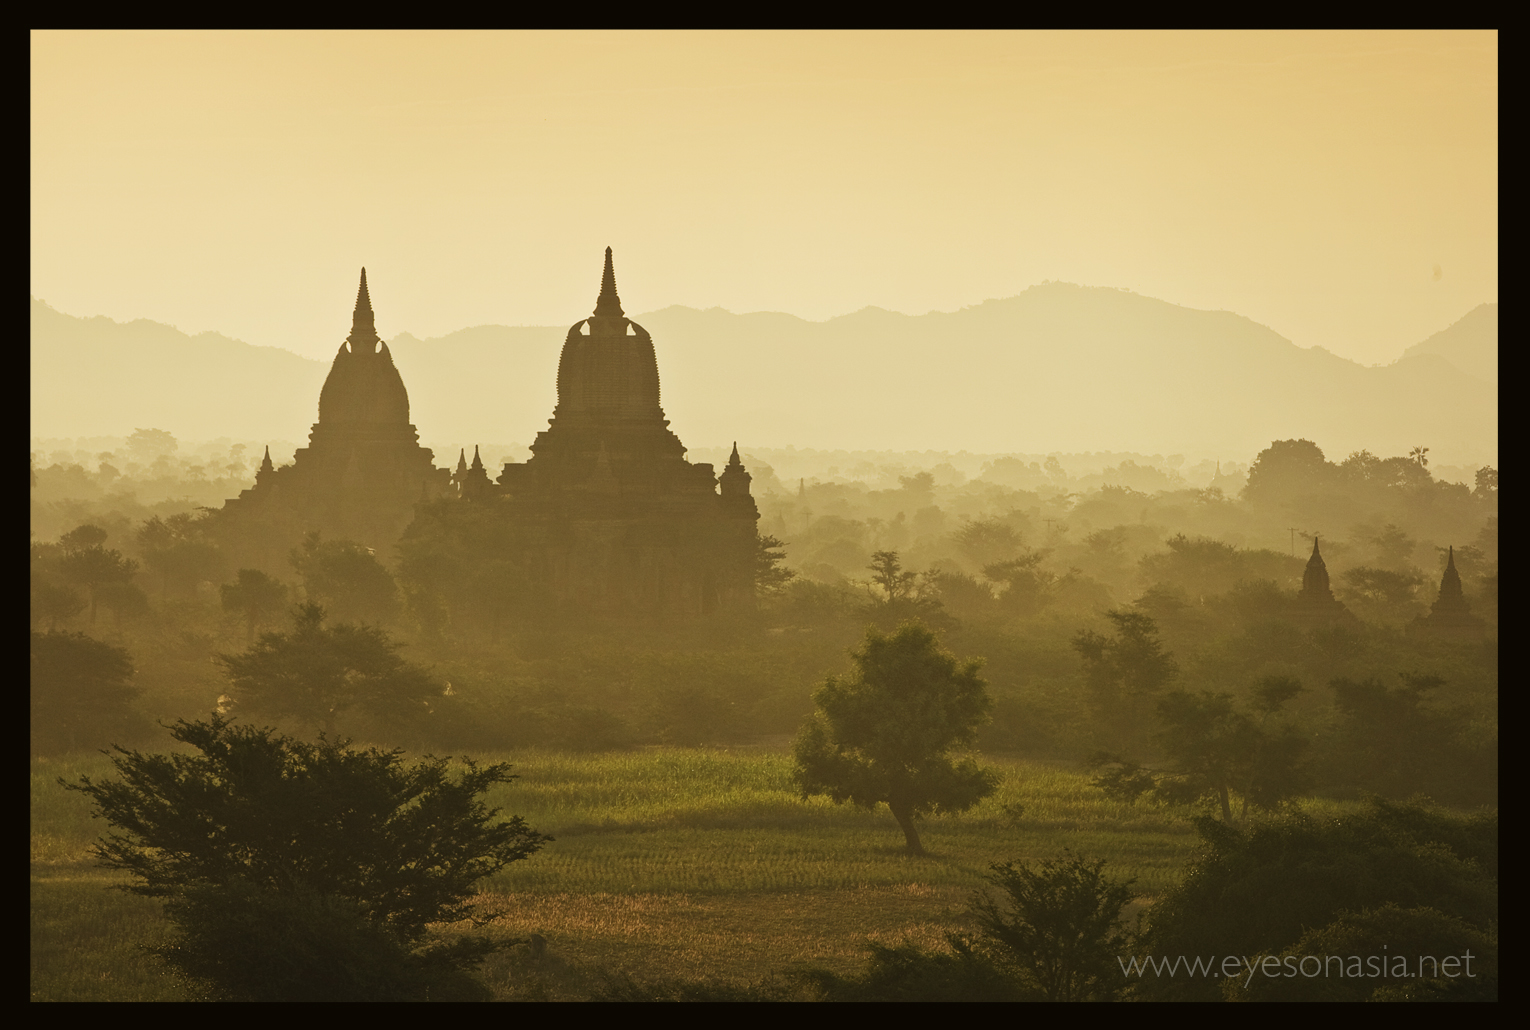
1341	188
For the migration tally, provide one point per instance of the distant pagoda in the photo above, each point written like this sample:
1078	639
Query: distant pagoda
363	470
621	521
1315	605
1450	617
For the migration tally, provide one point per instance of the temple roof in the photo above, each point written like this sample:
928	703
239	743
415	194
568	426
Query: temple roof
363	385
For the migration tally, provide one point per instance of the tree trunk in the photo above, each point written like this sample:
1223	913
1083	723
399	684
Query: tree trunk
905	816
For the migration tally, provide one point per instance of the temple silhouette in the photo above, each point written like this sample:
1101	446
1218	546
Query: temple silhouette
610	515
1450	617
1315	604
363	470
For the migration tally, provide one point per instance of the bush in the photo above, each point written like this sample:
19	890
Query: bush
299	871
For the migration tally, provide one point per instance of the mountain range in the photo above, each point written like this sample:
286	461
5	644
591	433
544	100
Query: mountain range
1058	367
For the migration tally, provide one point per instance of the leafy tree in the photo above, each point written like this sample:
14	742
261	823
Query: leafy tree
886	733
902	596
1059	926
462	567
1388	741
87	563
1258	892
1286	470
315	672
1486	481
347	579
1126	673
52	602
770	572
307	872
1027	586
255	597
1422	938
179	551
82	696
1215	747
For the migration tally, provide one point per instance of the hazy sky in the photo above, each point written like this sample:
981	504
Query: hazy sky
1339	187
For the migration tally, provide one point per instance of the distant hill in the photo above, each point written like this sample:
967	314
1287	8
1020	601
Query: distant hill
1470	344
95	376
1059	367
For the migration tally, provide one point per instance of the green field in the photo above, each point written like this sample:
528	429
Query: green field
667	863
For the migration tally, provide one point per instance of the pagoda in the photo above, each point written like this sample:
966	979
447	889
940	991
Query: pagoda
1450	617
621	522
363	470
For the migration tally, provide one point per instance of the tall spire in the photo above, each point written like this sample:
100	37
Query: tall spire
734	462
1315	586
609	304
363	326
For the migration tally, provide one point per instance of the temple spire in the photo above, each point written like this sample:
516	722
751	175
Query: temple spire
608	305
734	462
363	325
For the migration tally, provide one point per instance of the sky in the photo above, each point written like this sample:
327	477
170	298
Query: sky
1340	188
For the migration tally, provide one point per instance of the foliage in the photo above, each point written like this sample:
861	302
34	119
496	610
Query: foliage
81	694
1387	741
1058	926
1259	891
315	672
272	850
885	734
1286	470
88	563
179	551
1217	748
1390	953
770	572
347	579
1126	673
460	569
909	973
903	596
255	597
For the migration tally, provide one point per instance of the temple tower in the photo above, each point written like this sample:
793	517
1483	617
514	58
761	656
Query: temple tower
1315	604
363	470
1450	616
625	522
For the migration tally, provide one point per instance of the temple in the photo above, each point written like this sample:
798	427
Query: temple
619	519
1450	617
1316	606
363	470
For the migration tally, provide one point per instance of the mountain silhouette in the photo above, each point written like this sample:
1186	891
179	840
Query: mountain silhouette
1058	367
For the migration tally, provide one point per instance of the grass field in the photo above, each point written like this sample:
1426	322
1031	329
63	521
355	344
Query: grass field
666	863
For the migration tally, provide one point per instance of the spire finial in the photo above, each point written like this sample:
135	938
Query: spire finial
265	463
477	461
462	460
734	462
609	304
363	325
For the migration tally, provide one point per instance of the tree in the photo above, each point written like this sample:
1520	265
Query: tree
1258	892
346	578
88	563
303	871
316	672
179	551
1126	673
902	596
81	693
255	597
770	572
886	733
1286	470
1059	927
1214	747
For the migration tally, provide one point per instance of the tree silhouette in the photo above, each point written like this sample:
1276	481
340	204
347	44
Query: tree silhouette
307	872
886	734
316	672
